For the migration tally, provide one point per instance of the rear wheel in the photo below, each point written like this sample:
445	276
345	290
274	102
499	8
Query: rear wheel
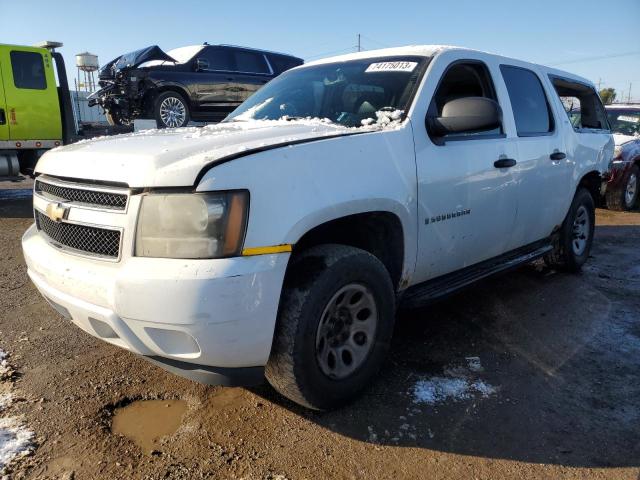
171	110
627	197
573	243
631	189
334	326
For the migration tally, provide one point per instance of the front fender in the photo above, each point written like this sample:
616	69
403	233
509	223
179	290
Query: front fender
296	188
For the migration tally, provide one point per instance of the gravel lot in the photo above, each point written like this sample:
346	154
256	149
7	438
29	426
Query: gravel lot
533	374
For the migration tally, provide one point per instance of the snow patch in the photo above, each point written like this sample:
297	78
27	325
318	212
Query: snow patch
15	441
437	390
455	385
5	369
6	399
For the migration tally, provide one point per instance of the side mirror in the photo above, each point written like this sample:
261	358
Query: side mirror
202	64
466	115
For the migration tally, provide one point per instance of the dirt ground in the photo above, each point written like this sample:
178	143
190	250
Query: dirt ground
558	356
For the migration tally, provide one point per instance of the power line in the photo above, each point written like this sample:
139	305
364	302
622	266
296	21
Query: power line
599	57
323	54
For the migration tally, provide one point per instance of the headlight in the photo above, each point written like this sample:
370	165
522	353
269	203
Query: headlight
192	225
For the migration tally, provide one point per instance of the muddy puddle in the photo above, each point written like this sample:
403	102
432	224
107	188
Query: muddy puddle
145	422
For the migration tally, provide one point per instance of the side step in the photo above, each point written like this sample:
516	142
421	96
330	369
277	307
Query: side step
431	290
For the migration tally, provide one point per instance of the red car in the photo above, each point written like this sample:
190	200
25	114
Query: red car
622	184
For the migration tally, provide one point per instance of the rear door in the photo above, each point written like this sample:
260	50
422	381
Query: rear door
31	94
253	71
4	120
543	172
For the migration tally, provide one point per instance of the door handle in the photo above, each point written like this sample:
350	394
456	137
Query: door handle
558	156
504	163
3	117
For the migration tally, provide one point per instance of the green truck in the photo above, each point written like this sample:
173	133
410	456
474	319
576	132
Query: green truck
35	112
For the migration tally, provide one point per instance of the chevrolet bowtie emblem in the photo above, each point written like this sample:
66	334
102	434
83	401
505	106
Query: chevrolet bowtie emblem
57	212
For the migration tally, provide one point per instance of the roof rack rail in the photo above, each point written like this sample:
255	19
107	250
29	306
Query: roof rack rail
256	49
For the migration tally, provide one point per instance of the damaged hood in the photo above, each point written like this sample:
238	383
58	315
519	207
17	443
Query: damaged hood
134	59
175	157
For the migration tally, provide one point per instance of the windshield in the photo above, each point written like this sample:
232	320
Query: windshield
625	121
355	93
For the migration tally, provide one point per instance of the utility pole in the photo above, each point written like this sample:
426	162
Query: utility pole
629	96
599	82
358	46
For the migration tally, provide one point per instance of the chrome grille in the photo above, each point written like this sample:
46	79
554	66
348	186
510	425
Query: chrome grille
84	239
94	198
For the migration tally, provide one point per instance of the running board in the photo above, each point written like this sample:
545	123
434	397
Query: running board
431	290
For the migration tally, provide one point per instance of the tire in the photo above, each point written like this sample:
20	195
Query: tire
630	192
573	242
627	197
171	110
299	366
115	119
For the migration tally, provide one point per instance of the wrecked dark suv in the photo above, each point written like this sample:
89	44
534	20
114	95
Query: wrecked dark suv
200	82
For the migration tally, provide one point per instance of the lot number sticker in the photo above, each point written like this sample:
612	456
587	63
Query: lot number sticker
391	67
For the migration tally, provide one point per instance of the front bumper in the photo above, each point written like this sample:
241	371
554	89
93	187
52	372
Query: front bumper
198	318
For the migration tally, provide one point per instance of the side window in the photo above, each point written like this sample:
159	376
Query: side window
28	70
464	79
250	62
219	59
281	63
582	104
528	101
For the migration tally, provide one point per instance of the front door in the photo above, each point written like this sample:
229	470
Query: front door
466	204
216	88
31	94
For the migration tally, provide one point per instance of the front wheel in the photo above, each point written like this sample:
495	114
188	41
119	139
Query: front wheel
573	243
334	326
171	110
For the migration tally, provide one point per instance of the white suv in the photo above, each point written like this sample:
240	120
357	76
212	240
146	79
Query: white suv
280	242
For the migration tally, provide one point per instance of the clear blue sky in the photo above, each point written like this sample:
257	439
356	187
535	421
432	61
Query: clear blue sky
582	36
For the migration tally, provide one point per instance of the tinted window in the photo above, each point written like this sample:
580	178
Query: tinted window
528	101
28	70
281	63
250	62
218	58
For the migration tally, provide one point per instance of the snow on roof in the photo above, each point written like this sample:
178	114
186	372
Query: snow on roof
418	50
183	54
431	51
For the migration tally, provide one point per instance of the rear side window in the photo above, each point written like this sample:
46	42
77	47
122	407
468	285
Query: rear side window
582	104
219	59
250	62
282	63
528	101
28	70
